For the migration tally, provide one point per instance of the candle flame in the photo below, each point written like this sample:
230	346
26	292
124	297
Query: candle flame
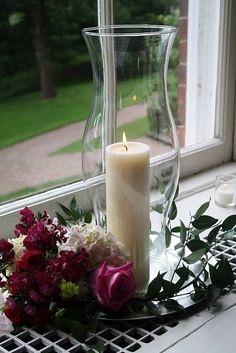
125	141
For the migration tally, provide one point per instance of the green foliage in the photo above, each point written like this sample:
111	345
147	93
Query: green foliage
73	214
194	249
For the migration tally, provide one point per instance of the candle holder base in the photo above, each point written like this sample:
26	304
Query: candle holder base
166	262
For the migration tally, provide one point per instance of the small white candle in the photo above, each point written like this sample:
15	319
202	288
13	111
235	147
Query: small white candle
127	202
224	195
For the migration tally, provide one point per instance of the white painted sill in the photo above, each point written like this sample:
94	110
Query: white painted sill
194	191
199	188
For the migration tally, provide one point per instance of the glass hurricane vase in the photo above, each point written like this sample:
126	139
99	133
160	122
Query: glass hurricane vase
129	64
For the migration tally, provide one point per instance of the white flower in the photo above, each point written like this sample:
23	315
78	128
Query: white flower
18	245
5	324
75	239
100	245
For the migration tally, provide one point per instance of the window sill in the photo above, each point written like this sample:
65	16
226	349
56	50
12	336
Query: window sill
194	191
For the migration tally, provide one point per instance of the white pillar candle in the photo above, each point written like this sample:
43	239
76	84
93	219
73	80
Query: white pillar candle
127	202
224	195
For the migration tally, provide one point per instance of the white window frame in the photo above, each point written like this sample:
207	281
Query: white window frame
220	149
193	160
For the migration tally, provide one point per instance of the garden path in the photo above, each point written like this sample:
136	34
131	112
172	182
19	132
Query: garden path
28	164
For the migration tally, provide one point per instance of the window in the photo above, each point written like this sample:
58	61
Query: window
198	151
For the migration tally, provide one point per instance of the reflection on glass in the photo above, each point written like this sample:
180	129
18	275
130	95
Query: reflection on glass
46	90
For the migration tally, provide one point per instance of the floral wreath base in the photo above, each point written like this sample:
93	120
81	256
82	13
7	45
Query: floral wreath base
69	272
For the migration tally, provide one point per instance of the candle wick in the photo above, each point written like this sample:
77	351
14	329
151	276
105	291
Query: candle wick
126	148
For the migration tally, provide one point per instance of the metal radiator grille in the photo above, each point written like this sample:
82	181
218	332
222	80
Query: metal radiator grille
120	337
227	249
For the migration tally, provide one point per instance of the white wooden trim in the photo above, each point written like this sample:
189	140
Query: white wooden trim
202	63
105	12
219	149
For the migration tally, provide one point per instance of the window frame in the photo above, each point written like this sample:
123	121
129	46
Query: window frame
193	160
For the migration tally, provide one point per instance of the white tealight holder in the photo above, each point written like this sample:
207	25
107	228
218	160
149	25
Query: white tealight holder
225	190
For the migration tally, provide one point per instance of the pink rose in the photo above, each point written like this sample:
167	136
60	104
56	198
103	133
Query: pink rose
112	286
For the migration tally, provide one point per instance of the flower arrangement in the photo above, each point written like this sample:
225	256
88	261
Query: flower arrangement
47	266
68	271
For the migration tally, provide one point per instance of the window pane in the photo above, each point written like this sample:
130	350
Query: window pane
145	123
193	66
45	93
46	84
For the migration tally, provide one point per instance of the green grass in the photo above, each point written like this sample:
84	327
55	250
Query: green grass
133	130
26	116
38	188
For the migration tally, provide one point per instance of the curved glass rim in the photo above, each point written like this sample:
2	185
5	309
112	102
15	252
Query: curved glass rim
148	30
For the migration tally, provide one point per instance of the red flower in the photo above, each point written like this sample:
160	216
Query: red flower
34	314
46	284
20	283
6	250
44	236
27	220
13	311
27	217
20	229
71	265
32	260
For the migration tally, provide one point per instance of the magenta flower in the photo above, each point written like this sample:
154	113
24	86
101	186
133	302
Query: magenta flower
112	286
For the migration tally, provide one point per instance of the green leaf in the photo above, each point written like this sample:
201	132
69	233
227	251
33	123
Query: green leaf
202	209
213	234
160	185
175	230
154	287
221	274
178	246
204	222
167	236
65	209
73	203
158	208
196	244
196	232
77	329
181	251
198	295
99	347
183	232
135	305
152	309
169	288
195	256
172	304
206	275
173	211
212	293
183	272
228	236
229	222
61	219
74	214
78	213
94	322
176	192
87	217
